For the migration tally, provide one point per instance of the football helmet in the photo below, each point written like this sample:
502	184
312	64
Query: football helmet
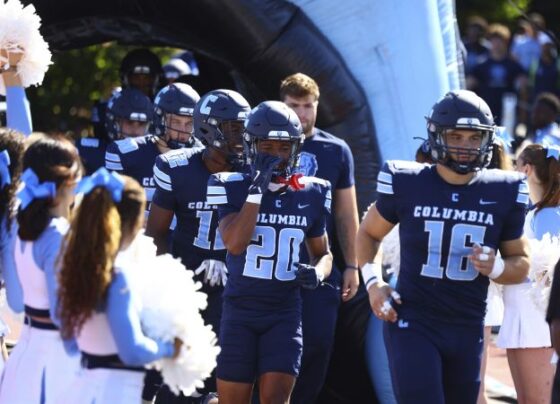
213	117
176	99
274	120
141	61
130	104
461	109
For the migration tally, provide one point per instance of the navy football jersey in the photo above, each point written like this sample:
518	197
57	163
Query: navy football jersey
328	157
439	223
135	157
263	276
181	180
92	152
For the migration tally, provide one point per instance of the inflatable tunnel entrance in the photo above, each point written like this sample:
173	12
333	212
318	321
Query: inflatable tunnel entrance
258	42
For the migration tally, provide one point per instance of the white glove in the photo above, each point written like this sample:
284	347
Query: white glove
215	272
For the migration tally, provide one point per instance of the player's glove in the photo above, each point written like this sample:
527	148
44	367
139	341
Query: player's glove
308	276
215	272
262	170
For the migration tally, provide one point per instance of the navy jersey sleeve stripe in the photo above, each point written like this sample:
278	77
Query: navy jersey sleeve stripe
162	180
384	188
217	200
113	161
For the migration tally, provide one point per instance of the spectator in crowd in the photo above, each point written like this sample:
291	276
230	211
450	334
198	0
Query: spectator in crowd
546	110
544	74
499	74
477	47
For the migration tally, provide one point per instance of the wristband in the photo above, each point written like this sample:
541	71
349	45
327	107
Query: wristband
351	267
371	272
498	268
254	198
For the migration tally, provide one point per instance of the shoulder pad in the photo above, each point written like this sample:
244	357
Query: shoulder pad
176	158
392	168
404	166
127	145
89	142
229	177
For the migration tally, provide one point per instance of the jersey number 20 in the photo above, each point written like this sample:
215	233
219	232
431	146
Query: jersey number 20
260	258
459	267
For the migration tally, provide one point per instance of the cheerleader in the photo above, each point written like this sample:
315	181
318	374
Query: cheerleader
11	151
39	366
524	332
98	303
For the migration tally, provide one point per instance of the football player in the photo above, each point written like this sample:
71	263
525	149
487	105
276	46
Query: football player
141	69
264	219
92	149
181	179
327	157
172	120
453	216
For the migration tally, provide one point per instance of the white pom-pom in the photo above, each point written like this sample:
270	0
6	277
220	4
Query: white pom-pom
544	256
171	304
19	29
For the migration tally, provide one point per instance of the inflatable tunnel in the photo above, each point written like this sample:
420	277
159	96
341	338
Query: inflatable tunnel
260	41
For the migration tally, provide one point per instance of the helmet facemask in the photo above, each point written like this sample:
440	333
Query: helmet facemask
226	137
466	160
184	130
287	168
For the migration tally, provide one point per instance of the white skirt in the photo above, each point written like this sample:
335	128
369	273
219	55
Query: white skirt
524	325
105	386
38	367
494	306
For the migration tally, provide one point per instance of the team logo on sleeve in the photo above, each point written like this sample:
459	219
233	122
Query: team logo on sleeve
307	164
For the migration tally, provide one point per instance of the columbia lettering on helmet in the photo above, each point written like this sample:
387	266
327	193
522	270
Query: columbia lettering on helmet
465	110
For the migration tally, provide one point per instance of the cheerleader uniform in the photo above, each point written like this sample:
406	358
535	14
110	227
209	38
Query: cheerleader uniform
524	324
113	346
41	364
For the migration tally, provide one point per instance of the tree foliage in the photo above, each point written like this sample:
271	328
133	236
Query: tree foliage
502	11
76	79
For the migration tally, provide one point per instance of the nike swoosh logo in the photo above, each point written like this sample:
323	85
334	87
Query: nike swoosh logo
483	202
302	206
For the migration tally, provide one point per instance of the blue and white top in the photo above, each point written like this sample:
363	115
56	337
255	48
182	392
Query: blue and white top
115	329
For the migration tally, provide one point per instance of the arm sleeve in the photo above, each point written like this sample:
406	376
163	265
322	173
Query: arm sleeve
163	195
14	291
346	178
113	158
553	311
18	114
135	348
386	204
515	219
221	194
546	221
46	250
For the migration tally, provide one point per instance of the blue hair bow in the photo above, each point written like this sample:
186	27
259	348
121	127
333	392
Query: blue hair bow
4	169
113	182
32	189
553	151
